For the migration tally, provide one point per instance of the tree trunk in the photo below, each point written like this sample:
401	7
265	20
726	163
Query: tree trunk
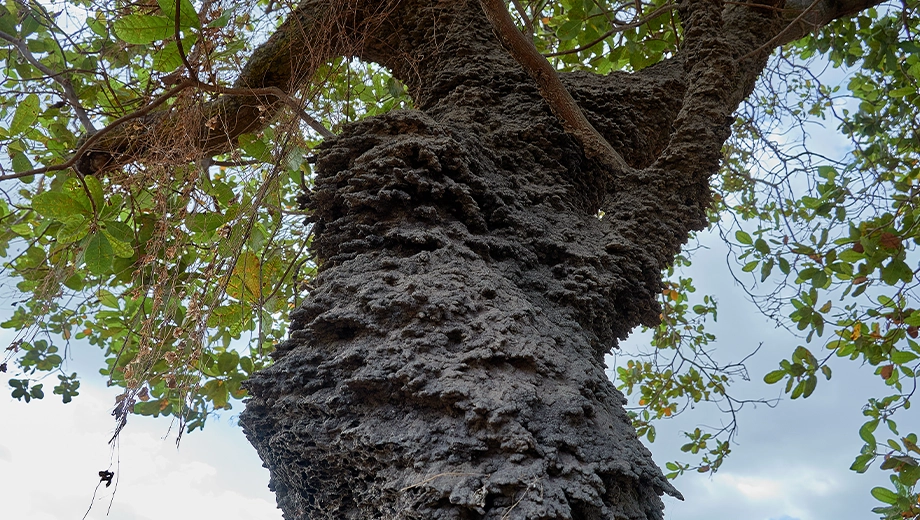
449	361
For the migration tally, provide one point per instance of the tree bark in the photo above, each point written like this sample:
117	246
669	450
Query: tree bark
449	361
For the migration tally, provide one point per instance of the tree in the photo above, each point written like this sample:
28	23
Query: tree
477	255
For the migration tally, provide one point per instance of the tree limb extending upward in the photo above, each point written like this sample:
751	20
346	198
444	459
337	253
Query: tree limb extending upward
551	88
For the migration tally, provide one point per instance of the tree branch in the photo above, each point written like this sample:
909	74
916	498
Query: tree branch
88	145
69	95
551	88
316	31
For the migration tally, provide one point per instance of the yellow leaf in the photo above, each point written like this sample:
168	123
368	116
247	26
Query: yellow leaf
244	282
857	331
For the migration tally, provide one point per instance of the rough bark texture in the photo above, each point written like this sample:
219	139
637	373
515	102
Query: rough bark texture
449	363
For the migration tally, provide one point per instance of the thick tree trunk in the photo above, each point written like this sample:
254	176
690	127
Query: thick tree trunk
449	362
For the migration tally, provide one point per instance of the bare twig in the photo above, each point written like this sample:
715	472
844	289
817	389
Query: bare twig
528	23
192	73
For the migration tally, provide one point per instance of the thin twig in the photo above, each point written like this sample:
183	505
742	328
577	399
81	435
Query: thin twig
69	95
528	23
192	73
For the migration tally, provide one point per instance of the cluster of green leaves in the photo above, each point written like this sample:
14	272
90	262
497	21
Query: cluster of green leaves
602	35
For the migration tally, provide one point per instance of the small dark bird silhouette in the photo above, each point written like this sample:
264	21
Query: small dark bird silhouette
106	476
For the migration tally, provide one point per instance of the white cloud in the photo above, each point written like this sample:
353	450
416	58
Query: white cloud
51	456
755	488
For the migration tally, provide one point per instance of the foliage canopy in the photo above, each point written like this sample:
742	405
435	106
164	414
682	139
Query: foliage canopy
182	271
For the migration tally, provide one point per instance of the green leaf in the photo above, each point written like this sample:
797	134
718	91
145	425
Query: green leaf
255	147
884	495
97	25
108	299
121	249
743	238
865	432
900	357
120	231
7	21
784	265
896	271
74	281
810	384
95	190
850	256
766	269
902	92
98	254
167	59
861	464
204	222
774	377
187	15
569	30
25	116
143	29
73	230
21	162
57	205
227	361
